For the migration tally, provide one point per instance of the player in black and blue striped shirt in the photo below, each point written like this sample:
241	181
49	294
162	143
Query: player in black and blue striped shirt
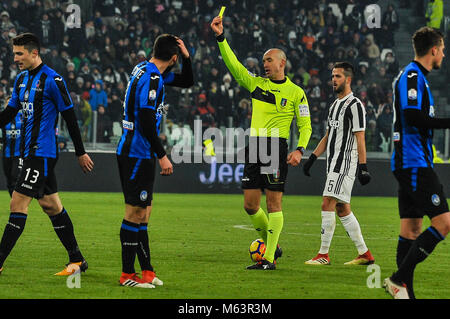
140	147
420	191
41	94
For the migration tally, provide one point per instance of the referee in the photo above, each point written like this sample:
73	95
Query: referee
275	102
420	191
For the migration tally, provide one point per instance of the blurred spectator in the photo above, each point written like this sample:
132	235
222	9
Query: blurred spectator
98	96
390	18
205	112
104	125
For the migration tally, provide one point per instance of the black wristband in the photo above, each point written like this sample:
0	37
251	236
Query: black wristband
301	149
312	157
220	37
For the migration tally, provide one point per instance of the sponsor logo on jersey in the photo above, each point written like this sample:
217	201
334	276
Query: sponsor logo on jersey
27	109
128	125
334	123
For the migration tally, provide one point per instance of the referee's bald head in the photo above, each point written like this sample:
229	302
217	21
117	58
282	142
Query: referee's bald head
277	53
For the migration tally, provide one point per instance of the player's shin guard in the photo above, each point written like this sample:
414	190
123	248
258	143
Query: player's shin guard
13	230
353	230
143	249
327	231
129	238
62	224
275	225
420	249
260	222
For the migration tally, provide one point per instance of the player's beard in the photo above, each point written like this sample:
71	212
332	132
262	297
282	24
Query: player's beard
437	65
339	88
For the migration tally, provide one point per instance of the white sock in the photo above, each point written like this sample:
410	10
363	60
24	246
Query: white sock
328	226
352	228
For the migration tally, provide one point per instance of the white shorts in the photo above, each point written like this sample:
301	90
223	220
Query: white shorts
339	186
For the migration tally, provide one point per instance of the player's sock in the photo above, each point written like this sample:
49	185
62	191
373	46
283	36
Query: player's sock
403	246
327	231
420	249
13	230
64	229
353	230
129	237
260	222
274	227
143	250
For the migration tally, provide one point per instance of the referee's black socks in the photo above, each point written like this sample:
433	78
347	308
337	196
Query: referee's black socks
420	249
64	229
13	230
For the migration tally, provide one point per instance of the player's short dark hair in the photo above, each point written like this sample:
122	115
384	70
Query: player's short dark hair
349	71
28	40
424	39
165	47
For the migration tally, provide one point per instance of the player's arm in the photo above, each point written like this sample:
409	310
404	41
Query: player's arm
303	120
237	70
411	91
319	150
147	117
358	119
185	79
63	103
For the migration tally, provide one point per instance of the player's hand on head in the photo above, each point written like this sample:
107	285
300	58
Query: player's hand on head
363	174
308	164
86	163
166	166
217	26
183	49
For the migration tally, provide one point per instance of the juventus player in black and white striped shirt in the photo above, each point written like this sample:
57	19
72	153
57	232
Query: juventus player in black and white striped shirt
345	146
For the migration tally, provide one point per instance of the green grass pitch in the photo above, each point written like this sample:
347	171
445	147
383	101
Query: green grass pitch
199	247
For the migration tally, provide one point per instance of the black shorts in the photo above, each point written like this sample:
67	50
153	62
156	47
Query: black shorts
420	193
137	177
11	168
37	177
255	172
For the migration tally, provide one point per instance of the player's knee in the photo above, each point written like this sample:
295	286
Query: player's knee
273	207
251	208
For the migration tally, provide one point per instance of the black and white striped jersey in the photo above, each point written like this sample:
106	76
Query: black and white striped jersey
345	116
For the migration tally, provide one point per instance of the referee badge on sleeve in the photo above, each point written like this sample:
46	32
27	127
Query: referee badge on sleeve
303	110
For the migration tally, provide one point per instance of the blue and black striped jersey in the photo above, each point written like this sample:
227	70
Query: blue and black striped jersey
41	94
11	137
412	145
145	91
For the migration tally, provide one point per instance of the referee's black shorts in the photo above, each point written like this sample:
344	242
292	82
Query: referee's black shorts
420	193
255	174
137	177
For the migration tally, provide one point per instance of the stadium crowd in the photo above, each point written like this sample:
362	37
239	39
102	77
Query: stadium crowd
96	57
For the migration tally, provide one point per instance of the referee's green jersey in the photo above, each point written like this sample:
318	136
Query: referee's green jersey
274	105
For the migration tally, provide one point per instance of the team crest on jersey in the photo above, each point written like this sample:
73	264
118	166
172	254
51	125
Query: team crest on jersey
412	94
152	95
283	102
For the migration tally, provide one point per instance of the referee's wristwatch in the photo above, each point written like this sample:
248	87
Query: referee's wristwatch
301	149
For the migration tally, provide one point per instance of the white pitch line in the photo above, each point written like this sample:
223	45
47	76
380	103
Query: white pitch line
247	227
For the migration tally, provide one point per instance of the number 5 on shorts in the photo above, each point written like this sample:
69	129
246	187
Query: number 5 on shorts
34	176
330	186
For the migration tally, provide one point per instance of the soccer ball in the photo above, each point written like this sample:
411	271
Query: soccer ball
257	250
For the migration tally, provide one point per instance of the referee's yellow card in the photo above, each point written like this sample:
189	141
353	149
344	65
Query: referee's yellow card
222	10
